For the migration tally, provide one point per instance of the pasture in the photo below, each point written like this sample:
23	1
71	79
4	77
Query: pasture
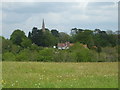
59	75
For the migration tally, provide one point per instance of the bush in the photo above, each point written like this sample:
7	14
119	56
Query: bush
111	54
46	54
34	47
15	49
27	55
76	53
83	56
80	53
23	55
63	56
108	54
8	56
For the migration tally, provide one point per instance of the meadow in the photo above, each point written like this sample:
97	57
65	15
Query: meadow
59	75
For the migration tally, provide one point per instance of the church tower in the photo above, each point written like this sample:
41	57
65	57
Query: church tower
43	26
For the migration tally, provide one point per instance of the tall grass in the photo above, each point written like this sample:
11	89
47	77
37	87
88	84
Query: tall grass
59	75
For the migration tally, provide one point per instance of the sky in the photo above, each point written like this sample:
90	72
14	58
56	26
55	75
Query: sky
62	16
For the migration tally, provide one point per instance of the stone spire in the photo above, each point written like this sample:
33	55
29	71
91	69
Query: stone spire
43	26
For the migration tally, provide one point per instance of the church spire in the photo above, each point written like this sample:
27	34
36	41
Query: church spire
43	26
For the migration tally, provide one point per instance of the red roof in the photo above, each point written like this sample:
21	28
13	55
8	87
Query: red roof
63	44
68	44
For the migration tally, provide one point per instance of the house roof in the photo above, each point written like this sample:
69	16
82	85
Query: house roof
68	44
63	44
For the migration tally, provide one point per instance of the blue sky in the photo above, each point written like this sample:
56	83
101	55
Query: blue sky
58	15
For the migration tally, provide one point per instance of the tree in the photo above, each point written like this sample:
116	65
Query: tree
112	39
55	32
101	39
17	37
63	37
29	35
6	45
26	43
90	42
45	39
84	37
48	39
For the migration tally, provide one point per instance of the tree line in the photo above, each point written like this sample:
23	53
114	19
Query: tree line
37	46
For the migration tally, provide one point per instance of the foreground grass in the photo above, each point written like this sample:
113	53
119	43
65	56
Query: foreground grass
59	75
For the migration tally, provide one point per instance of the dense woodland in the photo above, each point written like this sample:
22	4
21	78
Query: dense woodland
38	46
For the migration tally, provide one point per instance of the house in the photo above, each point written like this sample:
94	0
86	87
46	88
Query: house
62	46
67	45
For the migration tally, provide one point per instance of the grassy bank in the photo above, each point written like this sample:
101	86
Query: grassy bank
59	75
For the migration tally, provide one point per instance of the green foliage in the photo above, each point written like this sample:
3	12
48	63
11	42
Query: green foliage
76	53
81	53
45	39
108	54
96	37
15	49
101	40
83	56
6	45
8	56
46	54
84	37
27	55
1	44
98	49
17	37
111	54
63	37
23	55
112	40
37	46
118	50
55	33
26	43
63	56
48	39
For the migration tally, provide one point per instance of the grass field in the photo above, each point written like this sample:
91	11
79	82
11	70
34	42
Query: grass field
59	75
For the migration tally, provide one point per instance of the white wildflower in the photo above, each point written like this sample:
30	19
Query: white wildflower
35	84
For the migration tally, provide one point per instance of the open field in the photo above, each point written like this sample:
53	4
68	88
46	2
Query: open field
59	75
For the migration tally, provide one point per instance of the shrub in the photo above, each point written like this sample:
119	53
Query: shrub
27	55
63	56
15	49
34	47
80	53
111	54
46	54
8	56
23	55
